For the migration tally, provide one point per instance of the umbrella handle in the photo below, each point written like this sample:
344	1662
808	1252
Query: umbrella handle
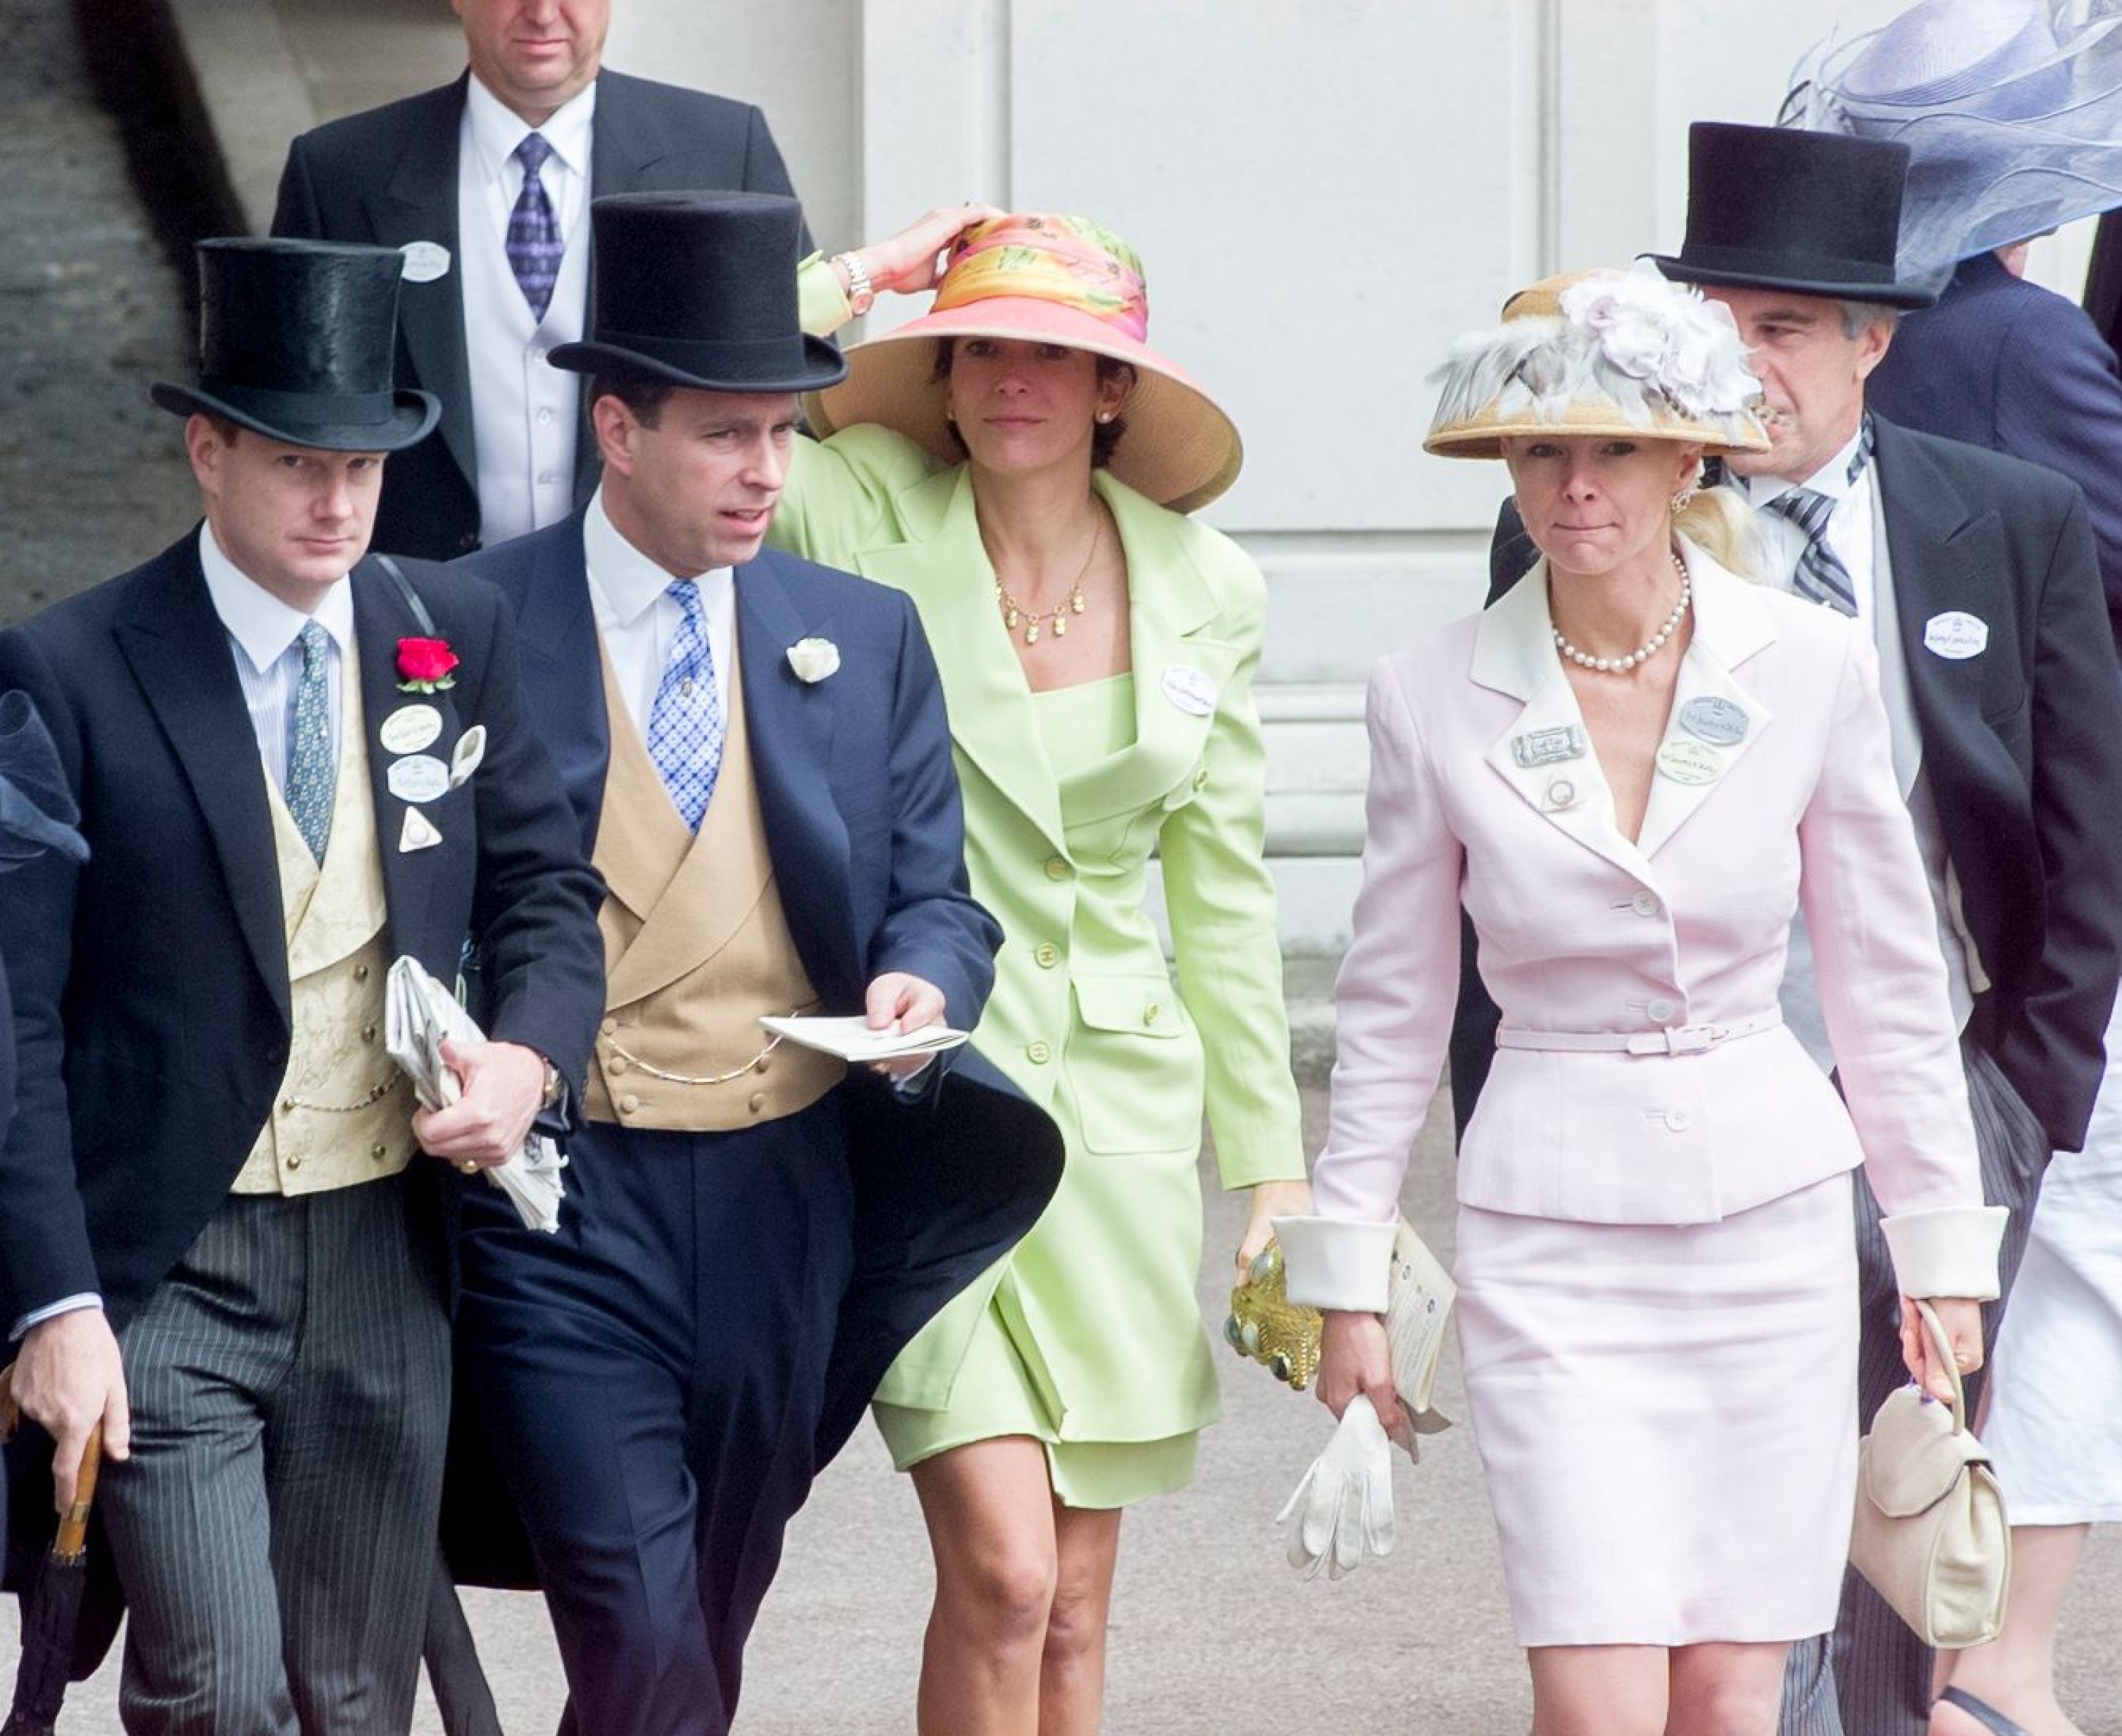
72	1536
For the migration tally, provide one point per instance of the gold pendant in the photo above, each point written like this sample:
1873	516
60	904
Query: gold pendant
1060	625
1076	603
1032	634
1009	618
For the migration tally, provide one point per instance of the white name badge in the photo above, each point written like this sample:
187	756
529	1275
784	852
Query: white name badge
1190	690
1956	635
410	729
425	261
470	753
421	778
417	833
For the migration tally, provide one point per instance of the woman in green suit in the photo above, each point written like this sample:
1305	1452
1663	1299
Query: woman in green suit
1020	463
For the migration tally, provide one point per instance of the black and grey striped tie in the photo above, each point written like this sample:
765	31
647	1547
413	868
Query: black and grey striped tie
1821	576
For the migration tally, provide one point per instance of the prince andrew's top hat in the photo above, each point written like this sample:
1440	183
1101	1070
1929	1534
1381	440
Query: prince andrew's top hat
1773	207
296	340
698	289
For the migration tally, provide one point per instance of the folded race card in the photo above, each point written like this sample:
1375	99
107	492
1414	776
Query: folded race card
853	1041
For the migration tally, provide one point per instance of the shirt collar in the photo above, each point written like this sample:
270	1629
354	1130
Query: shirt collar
498	129
1831	479
629	582
259	622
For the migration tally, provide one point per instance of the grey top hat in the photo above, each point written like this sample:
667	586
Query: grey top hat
297	341
2012	110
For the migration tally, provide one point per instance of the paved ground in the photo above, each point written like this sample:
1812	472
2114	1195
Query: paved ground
1212	1630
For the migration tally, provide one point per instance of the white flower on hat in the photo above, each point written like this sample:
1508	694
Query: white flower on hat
813	660
1666	335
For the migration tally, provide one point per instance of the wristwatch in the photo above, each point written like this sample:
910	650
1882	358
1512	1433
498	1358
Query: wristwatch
556	1088
862	295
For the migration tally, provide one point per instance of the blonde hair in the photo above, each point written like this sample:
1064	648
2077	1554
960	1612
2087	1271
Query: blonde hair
1720	521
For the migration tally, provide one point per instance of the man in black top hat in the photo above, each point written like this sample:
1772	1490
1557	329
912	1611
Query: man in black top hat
485	184
217	1237
1978	577
756	751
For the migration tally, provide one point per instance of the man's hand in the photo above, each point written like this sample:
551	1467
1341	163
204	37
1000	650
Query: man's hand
68	1378
503	1085
899	1001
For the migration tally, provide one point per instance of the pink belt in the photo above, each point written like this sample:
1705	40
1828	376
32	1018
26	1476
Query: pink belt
1673	1039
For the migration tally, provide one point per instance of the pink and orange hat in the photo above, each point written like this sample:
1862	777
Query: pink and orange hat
1045	279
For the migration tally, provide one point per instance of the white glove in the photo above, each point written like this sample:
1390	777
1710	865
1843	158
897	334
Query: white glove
1345	1505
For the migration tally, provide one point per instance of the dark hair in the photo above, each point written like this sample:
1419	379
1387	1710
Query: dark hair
644	396
1105	436
224	429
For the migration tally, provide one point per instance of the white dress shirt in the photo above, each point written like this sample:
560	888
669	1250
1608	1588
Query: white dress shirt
525	412
638	618
262	632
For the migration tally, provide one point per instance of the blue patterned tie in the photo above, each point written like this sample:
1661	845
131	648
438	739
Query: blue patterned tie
686	721
1821	576
533	232
311	773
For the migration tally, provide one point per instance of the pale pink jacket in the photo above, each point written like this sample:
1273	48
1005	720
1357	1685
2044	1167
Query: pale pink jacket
1582	930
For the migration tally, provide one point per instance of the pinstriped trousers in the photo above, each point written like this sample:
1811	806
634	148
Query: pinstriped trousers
1871	1676
274	1527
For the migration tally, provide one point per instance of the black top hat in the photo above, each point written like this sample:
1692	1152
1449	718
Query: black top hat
1777	208
698	289
296	340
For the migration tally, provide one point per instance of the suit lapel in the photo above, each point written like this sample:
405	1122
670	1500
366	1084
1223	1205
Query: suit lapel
178	651
380	619
564	692
790	725
1730	626
1934	547
418	203
943	566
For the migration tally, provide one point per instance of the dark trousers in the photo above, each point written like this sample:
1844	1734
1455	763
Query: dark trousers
652	1378
1871	1676
290	1393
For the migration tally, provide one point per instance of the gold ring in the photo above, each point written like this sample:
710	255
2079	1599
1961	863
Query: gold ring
469	1167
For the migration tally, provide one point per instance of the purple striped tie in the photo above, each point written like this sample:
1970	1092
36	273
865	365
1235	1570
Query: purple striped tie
533	232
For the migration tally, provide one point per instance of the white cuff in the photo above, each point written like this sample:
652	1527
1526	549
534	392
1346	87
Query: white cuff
53	1310
1333	1262
1948	1251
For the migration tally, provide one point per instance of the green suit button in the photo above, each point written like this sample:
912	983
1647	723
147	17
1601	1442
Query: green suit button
1057	868
1039	1053
1047	954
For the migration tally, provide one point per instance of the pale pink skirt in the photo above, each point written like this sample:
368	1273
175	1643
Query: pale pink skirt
1667	1416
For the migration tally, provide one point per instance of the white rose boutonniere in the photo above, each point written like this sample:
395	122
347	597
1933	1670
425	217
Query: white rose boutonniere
813	660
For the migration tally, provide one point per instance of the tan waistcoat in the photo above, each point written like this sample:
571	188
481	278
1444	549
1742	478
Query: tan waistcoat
696	948
343	1112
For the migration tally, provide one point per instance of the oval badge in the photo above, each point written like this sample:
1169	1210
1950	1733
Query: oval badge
425	261
421	778
1691	762
410	729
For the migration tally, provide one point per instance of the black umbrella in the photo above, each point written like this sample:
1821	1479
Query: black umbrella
51	1611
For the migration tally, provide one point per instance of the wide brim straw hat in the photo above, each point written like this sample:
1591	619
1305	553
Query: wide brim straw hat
2011	110
1602	354
1042	278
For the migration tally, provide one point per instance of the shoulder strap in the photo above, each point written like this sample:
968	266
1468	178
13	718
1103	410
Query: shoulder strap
396	575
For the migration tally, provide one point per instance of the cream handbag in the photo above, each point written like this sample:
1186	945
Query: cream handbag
1931	1535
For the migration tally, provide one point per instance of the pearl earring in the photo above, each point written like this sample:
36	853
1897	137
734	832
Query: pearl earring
1105	416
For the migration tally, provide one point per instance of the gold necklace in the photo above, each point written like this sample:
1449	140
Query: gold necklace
1071	604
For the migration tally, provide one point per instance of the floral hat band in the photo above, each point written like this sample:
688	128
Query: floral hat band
1068	261
1600	352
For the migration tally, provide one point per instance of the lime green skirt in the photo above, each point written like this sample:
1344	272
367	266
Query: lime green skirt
993	1397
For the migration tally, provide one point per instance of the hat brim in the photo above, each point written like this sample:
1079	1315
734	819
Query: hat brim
410	422
1890	293
1482	436
822	366
1181	449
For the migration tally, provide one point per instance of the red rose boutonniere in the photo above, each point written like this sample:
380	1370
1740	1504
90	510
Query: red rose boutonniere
424	665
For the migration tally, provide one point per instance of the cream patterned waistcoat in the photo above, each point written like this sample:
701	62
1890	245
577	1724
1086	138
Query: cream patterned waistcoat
697	948
344	1111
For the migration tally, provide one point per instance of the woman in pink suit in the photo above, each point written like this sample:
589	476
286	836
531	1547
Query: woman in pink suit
1633	770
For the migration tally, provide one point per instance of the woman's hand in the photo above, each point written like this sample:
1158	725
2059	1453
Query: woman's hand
1352	1359
1962	1320
909	262
1271	1200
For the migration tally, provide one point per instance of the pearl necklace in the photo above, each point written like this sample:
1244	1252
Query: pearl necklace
1642	653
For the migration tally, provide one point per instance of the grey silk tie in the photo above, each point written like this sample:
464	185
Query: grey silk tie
1821	576
311	774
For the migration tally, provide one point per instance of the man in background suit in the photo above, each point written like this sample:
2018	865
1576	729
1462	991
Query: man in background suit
485	185
755	748
1978	575
293	765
